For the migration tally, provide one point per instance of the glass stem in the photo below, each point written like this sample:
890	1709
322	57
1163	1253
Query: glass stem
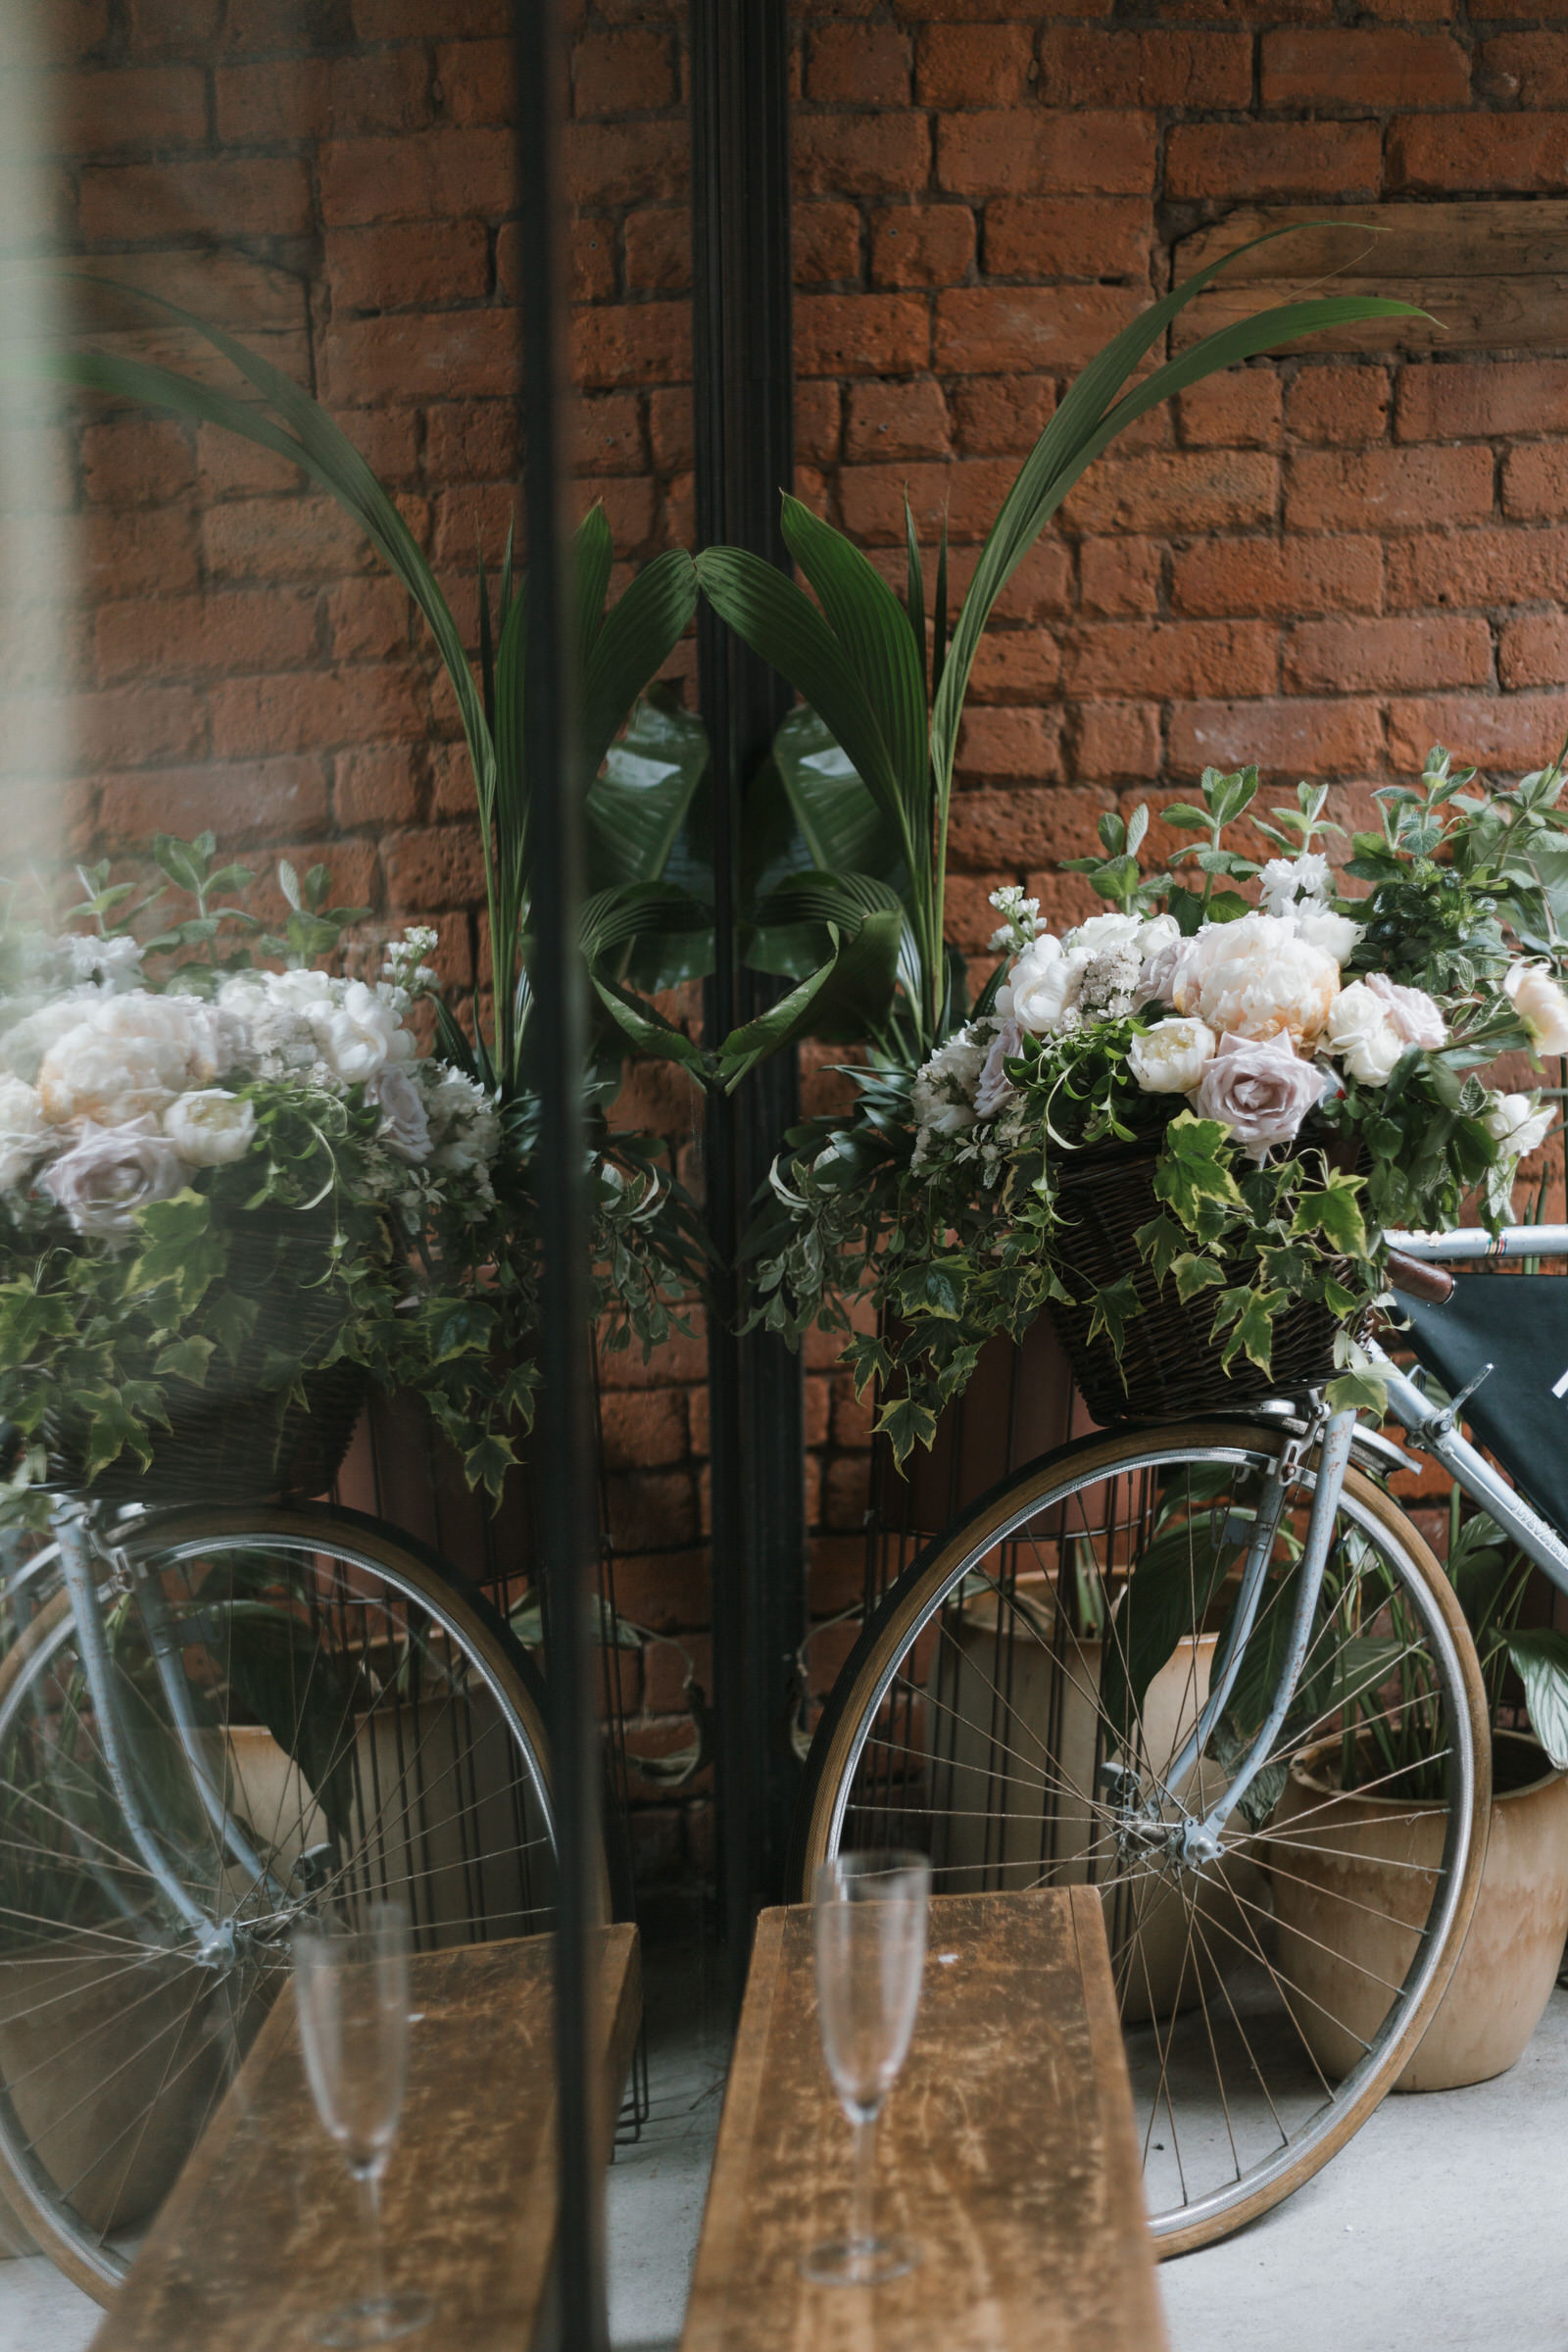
860	2229
369	2178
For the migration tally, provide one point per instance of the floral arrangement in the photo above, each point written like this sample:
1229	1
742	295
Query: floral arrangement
185	1127
1300	1067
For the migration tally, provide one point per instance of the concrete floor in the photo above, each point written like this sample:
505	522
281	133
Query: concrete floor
1439	2228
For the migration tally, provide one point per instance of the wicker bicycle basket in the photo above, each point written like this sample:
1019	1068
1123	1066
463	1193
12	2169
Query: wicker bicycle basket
236	1438
1170	1366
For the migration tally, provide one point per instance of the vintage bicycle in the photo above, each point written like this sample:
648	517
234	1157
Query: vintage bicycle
1215	1667
211	1722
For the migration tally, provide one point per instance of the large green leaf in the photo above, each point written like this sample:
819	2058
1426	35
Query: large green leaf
849	996
612	919
319	445
635	809
780	621
1082	428
639	633
644	1027
840	823
1540	1661
593	560
873	629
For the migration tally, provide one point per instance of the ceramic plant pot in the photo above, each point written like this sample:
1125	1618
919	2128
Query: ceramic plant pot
1341	1911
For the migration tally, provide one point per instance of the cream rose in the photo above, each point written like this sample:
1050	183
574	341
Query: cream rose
113	1172
1260	1087
1164	965
1517	1124
210	1128
1364	1034
1170	1057
1417	1016
1043	983
1541	1004
405	1127
995	1089
1254	978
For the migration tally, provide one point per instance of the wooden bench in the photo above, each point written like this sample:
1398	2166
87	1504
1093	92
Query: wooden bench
1008	2150
261	2235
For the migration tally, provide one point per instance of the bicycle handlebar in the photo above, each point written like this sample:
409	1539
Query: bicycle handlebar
1474	1240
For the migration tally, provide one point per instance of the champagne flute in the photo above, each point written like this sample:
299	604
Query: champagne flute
351	1989
868	1923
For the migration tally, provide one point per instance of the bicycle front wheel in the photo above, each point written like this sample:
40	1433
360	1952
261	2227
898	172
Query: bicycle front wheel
355	1728
1017	1707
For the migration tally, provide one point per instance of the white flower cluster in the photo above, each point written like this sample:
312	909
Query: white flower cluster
112	1096
1020	919
1258	1014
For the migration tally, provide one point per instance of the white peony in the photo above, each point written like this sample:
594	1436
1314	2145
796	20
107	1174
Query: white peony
1363	1031
1261	1087
24	1137
1285	880
211	1127
1254	978
24	1044
1541	1004
1335	934
129	1055
1170	1057
1518	1124
1417	1016
113	1172
1041	986
360	1033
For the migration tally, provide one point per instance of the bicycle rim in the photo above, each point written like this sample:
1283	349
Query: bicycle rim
368	1734
1015	1709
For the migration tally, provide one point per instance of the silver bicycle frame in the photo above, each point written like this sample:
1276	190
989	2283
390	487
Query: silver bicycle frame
82	1556
1430	1426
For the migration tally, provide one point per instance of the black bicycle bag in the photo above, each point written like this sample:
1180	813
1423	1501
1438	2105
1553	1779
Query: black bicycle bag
1518	1323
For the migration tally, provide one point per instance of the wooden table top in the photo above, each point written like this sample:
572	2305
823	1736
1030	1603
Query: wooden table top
1008	2150
261	2235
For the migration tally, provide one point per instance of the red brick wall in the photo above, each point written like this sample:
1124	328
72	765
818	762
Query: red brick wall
1320	563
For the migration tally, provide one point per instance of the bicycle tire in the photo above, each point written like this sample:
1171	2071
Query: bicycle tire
432	1783
962	1741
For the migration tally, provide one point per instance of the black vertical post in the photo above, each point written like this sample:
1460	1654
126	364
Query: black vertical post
744	376
567	1502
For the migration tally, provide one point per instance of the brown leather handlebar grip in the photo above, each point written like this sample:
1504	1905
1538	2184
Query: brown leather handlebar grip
1418	1280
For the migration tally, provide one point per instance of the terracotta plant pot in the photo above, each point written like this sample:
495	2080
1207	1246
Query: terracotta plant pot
990	1832
1371	1856
113	2069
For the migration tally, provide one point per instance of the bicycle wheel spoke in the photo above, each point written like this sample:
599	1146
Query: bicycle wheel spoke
981	1725
388	1738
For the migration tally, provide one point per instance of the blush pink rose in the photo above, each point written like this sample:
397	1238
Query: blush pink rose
1260	1087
